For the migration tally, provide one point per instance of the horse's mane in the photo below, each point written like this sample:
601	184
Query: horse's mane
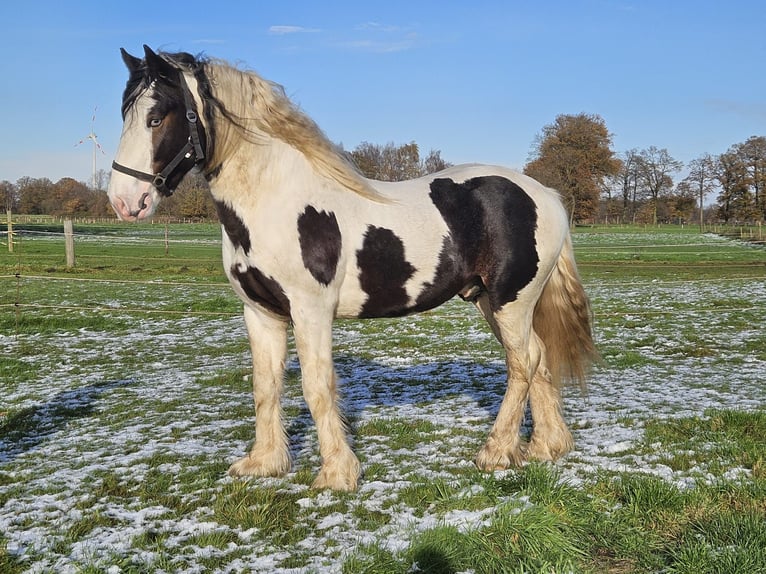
248	107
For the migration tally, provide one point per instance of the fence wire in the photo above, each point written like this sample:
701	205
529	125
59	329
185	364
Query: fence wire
160	240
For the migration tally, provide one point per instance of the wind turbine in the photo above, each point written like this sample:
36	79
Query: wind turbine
96	146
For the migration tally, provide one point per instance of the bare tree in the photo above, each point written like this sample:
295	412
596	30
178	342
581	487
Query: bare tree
433	162
655	168
393	162
701	181
9	195
627	180
102	178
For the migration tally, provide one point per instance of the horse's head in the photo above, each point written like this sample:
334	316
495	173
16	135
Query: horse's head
162	135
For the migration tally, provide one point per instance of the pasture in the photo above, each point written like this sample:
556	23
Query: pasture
125	395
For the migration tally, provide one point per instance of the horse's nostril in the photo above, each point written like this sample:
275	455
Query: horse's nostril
142	202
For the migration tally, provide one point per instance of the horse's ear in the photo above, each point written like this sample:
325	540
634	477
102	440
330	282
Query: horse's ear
158	67
133	63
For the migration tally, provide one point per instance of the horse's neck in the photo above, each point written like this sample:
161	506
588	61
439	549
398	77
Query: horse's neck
252	169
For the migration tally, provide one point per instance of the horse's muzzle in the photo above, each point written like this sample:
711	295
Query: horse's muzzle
143	210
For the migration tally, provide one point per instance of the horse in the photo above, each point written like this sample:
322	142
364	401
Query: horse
307	239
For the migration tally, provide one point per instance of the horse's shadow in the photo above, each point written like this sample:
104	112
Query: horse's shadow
27	428
365	385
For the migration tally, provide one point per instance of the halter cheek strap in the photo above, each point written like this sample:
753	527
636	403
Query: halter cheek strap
192	148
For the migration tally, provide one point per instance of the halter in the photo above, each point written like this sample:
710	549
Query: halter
192	147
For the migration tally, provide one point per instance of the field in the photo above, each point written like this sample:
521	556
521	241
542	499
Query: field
125	395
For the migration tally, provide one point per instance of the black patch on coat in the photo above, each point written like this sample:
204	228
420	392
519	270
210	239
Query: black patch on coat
383	272
451	276
169	140
213	172
263	290
492	223
234	226
320	241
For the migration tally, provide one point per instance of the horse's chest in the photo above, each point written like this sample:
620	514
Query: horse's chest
251	264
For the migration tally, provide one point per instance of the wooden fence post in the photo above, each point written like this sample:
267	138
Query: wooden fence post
69	242
10	232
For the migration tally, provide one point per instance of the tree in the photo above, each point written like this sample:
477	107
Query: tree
9	195
100	206
752	153
626	180
395	163
33	194
192	200
574	156
681	204
735	202
700	182
655	167
102	180
433	162
69	198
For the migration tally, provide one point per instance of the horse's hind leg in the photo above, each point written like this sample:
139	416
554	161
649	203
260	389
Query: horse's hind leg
551	438
270	454
512	326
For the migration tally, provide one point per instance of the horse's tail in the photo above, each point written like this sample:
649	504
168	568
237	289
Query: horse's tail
562	320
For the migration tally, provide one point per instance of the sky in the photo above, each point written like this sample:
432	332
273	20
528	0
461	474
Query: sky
476	80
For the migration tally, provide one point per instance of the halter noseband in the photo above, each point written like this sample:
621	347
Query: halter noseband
192	147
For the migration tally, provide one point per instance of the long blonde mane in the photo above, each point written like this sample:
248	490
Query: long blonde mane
251	107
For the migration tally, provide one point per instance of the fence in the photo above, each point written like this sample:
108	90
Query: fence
39	276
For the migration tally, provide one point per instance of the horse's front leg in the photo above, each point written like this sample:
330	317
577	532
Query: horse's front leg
270	455
340	467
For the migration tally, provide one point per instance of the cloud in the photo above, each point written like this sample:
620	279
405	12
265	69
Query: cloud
380	47
754	111
284	30
371	37
382	38
378	27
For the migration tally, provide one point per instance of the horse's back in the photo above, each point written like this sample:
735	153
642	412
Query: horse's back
460	173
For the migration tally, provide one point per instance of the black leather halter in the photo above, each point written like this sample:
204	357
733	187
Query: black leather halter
193	148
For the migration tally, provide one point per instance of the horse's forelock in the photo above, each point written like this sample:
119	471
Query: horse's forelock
142	78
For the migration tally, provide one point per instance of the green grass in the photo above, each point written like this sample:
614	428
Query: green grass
728	438
617	522
105	370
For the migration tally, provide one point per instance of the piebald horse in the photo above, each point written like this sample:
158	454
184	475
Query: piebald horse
307	239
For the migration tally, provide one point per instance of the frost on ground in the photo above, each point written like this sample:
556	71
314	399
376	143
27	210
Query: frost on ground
121	457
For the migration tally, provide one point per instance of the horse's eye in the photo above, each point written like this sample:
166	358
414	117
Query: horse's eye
155	122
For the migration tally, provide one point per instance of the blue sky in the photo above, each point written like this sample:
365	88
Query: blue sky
477	80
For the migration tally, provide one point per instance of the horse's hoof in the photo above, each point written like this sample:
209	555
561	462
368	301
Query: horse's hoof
490	460
261	466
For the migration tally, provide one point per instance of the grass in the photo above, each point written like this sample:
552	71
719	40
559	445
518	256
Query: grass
617	522
124	403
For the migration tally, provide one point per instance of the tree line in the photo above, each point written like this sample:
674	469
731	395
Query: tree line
573	155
